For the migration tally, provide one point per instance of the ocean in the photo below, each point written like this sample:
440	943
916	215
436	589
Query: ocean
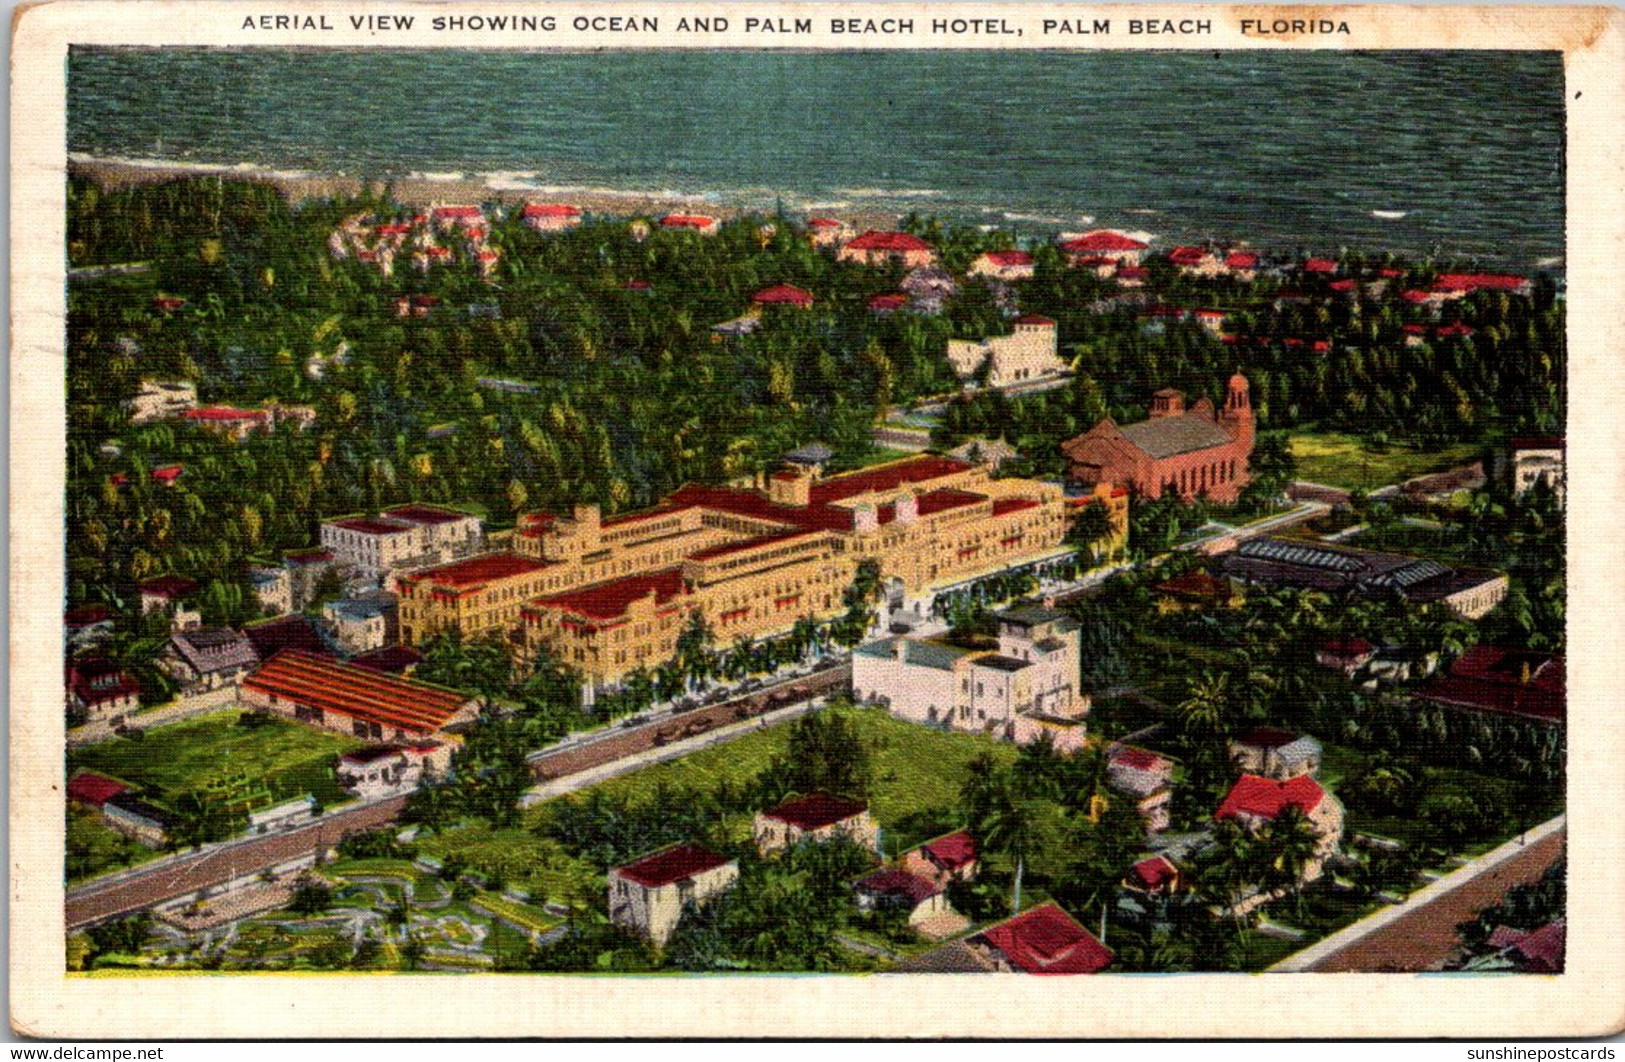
1422	152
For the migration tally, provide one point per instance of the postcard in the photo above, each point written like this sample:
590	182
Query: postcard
745	519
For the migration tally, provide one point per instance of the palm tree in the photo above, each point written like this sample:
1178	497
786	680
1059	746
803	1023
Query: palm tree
1228	871
1202	714
1010	825
1291	845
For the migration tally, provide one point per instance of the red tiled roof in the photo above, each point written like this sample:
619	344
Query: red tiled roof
894	882
783	294
1347	647
1455	330
1267	737
1138	759
1267	798
96	680
888	241
951	852
417	513
168	473
88	616
1390	274
1320	265
1036	319
168	302
225	413
1543	950
1187	256
823	223
393	230
370	525
1479	282
888	302
168	586
1241	260
1047	940
458	212
356	692
1103	241
672	865
687	221
1492	679
475	570
1343	285
1414	296
750	543
1209	315
610	600
309	556
1133	273
1009	258
940	501
1416	330
816	811
550	210
94	789
1538	442
287	632
1155	872
1012	505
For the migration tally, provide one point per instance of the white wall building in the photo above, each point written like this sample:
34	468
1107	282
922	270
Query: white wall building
1028	353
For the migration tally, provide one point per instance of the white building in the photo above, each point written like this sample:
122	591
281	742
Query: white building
159	400
283	816
649	896
1028	688
273	587
359	625
1029	353
1538	461
386	770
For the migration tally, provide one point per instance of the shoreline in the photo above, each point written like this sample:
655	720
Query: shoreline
423	190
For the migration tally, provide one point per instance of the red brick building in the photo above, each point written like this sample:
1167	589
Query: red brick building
1195	452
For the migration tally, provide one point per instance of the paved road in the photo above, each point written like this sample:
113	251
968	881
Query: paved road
148	886
1423	938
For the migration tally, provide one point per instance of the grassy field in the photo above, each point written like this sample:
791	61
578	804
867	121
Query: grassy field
917	771
94	847
213	750
538	865
1438	543
1340	460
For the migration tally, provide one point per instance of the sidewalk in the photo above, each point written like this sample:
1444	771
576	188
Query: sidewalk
1429	914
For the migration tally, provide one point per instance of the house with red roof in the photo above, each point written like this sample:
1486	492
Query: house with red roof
1196	590
99	691
1157	876
473	595
322	692
1132	276
827	232
923	900
170	594
1541	951
700	223
88	625
1490	680
1320	266
1243	265
951	857
784	295
1457	285
405	536
649	896
167	475
1145	777
1105	243
887	303
1002	265
447	218
817	817
160	400
881	248
550	217
1347	655
1255	802
1028	353
94	790
1042	940
1196	261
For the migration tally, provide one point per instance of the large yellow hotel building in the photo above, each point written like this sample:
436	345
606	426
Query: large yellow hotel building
609	596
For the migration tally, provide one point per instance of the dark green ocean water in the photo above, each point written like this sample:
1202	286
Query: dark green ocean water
1284	149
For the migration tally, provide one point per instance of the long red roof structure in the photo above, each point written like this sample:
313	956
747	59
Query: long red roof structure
1047	940
317	682
671	865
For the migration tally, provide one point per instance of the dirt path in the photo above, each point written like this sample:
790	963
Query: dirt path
1424	938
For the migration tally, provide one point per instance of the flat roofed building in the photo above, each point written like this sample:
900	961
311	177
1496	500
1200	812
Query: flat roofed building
650	896
1024	691
1027	353
354	700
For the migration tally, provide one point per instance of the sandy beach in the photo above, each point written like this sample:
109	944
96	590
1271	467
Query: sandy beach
421	191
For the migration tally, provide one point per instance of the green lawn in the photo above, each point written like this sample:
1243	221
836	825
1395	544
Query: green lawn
95	848
1340	460
538	865
1442	543
917	771
213	751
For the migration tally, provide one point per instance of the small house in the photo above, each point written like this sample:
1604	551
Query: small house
649	896
815	817
1275	753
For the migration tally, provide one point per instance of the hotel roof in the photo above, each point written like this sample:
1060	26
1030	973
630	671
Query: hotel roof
874	240
609	600
371	525
1103	240
475	571
307	679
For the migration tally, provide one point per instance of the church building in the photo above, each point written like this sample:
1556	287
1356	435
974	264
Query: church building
1195	452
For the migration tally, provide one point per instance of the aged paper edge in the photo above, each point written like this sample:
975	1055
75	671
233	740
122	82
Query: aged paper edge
1589	1000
